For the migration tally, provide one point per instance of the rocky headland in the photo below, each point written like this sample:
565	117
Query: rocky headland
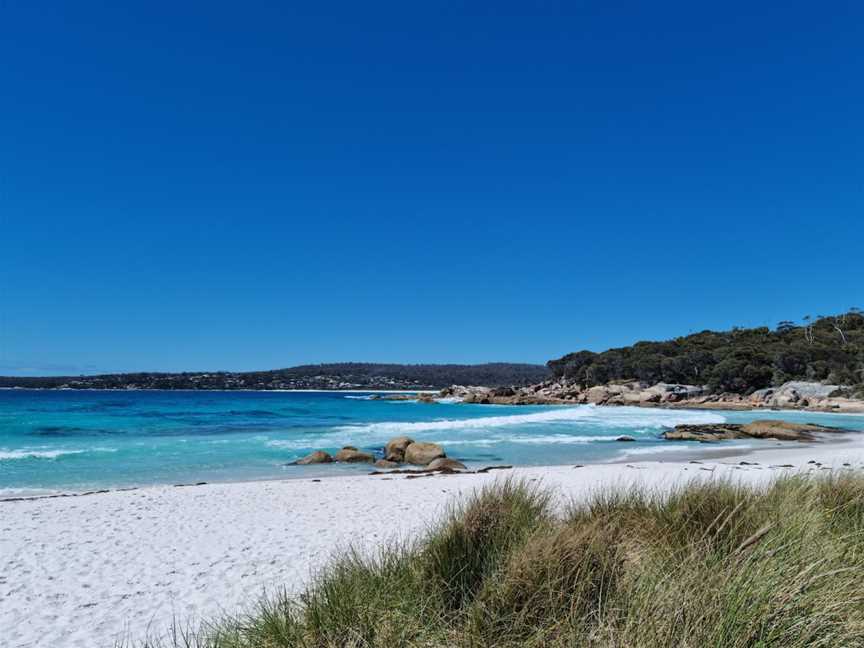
794	395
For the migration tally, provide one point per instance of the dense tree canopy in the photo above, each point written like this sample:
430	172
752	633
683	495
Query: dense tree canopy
827	349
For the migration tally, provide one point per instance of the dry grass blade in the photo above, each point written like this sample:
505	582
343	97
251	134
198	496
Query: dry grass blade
756	537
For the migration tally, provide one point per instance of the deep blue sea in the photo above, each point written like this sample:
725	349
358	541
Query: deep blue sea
80	440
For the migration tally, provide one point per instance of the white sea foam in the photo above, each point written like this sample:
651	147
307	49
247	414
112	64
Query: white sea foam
563	426
540	439
10	455
555	439
469	442
294	444
9	493
618	417
674	447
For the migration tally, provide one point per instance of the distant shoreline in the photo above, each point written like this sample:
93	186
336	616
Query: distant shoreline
255	391
718	406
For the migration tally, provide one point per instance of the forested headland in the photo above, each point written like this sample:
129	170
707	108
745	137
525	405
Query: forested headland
741	360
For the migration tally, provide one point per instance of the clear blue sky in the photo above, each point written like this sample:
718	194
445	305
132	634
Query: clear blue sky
253	185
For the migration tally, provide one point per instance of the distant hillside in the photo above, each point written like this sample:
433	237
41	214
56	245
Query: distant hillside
827	349
349	375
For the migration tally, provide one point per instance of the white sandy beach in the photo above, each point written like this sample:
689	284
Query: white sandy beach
84	572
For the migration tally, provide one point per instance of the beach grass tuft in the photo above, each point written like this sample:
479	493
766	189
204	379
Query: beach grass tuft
710	564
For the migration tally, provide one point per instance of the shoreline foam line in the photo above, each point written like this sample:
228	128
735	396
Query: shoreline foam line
618	417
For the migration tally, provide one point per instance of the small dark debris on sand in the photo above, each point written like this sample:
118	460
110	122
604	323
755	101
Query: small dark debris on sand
425	472
490	468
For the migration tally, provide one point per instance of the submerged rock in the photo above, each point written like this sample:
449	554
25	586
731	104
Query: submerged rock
317	457
625	437
388	465
394	397
424	397
350	454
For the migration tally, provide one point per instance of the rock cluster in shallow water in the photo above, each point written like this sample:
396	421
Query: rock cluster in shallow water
768	429
399	450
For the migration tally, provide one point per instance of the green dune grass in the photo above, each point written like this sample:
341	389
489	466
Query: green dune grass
707	565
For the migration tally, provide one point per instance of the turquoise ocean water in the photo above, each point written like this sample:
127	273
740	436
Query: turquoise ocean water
79	440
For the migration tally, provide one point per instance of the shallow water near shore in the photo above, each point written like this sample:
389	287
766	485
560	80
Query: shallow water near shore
78	440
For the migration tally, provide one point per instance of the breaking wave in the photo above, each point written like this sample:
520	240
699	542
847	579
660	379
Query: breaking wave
297	444
578	425
10	455
582	415
540	439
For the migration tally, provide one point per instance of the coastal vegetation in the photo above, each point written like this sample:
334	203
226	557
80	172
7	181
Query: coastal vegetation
742	360
711	564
